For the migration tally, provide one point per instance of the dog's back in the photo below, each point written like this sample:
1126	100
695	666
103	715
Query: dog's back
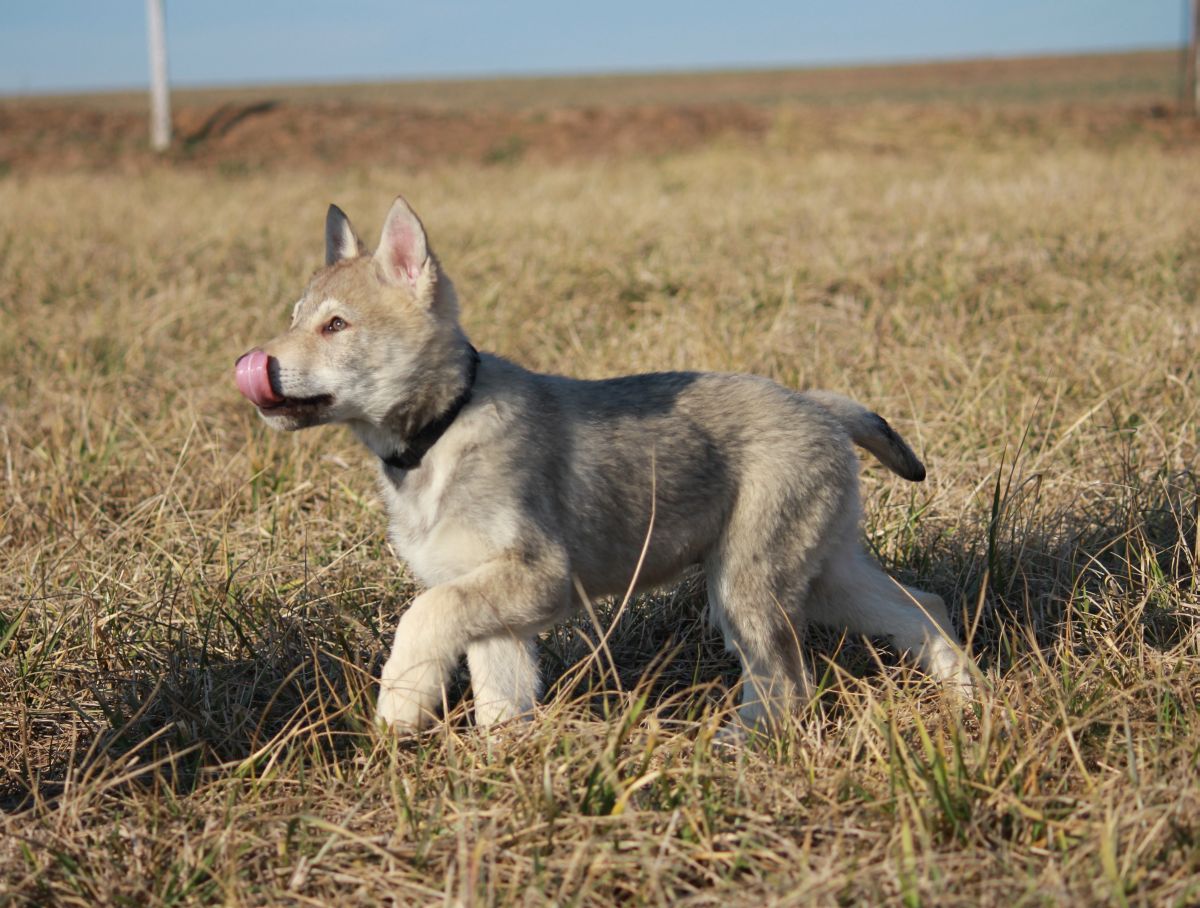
655	462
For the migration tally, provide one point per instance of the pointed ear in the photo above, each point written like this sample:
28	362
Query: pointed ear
402	251
341	242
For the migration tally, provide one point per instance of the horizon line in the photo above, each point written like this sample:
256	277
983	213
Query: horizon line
600	72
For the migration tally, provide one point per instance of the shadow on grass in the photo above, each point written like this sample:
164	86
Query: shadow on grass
193	711
1126	554
302	688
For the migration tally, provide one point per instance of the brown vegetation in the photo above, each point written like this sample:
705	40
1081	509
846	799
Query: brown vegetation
192	609
421	125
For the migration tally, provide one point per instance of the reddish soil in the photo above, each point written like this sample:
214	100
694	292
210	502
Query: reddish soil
40	136
1104	99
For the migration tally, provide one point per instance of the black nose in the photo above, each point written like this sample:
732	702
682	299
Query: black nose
273	375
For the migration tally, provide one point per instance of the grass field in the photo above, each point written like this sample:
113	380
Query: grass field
192	609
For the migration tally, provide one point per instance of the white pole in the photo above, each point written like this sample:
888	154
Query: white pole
1194	57
160	98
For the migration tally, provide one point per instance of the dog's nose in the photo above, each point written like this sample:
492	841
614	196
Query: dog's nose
252	373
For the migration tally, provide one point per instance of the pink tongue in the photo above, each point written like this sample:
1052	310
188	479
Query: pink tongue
250	372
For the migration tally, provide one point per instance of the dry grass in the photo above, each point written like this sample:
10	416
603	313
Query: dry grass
192	609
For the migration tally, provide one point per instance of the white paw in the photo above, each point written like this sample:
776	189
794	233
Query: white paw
409	694
398	710
960	684
949	665
497	711
730	738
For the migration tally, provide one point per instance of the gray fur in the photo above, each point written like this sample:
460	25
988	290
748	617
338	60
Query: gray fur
341	242
871	431
545	486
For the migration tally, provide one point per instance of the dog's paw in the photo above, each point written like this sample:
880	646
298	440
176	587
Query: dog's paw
952	669
730	739
398	711
410	691
950	666
496	713
960	687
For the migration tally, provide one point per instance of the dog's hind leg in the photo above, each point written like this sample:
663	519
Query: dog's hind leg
854	593
756	619
504	677
760	573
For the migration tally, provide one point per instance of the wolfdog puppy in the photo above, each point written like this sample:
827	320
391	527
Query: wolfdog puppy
511	494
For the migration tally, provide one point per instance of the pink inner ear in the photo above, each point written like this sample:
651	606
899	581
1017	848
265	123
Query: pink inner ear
404	242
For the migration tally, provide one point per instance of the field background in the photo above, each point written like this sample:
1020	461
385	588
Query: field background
1001	257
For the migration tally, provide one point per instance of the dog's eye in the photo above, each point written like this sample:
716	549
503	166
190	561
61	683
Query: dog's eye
337	323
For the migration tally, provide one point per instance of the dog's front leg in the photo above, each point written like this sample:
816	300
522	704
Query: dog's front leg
423	654
504	677
491	613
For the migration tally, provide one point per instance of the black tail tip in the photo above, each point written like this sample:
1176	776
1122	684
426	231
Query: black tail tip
909	465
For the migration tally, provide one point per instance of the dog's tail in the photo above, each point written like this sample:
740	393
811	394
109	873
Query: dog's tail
871	431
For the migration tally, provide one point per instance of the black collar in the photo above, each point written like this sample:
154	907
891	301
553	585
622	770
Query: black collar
427	436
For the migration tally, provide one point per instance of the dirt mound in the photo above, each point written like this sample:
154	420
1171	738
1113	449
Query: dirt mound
44	136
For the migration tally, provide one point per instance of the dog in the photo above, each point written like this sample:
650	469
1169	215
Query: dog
512	494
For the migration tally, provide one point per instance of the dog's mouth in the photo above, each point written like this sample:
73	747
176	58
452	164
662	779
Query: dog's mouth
293	404
257	377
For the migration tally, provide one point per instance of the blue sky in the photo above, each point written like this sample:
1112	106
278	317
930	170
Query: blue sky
50	45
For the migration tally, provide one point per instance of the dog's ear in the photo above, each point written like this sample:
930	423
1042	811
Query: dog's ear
341	242
402	254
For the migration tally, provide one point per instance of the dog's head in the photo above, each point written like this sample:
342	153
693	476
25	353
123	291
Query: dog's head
363	333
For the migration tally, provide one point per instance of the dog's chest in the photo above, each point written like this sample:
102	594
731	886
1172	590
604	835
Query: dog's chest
439	536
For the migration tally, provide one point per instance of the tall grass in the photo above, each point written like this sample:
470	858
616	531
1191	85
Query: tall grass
193	609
